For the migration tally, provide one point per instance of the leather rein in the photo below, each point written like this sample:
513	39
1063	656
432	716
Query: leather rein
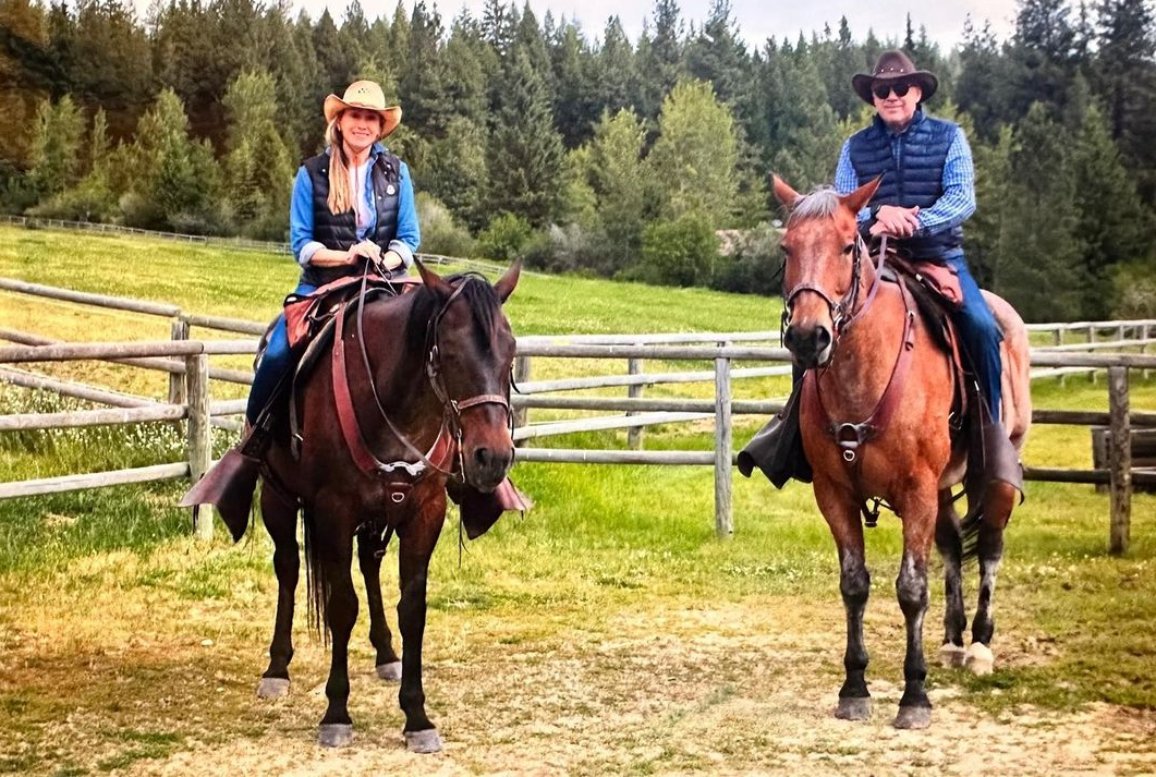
850	436
402	474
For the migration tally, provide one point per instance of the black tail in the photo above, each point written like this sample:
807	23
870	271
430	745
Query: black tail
315	580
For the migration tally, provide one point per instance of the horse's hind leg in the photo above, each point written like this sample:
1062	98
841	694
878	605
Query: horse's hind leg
370	549
919	517
949	542
855	585
280	518
997	507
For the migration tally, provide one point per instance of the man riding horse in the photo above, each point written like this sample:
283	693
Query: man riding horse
927	191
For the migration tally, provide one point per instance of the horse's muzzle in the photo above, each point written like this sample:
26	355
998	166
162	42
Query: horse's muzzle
486	466
811	346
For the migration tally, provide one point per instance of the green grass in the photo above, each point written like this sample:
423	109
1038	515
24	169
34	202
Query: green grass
603	544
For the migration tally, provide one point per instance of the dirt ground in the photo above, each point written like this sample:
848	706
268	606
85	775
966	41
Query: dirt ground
744	687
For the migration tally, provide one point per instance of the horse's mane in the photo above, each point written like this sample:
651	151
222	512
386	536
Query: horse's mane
476	291
823	202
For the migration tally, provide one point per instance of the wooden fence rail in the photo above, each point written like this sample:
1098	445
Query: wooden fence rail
199	413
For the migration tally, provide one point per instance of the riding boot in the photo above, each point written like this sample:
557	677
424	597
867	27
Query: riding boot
777	449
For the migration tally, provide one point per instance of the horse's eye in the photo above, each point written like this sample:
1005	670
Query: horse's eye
848	248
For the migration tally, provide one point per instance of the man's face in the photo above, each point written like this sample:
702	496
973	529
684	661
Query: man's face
896	100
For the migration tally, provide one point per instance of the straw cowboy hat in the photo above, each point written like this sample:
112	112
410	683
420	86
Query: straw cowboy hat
368	96
894	66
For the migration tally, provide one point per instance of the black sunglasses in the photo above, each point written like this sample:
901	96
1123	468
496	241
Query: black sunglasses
882	90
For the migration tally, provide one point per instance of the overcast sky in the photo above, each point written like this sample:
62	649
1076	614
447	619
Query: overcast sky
757	19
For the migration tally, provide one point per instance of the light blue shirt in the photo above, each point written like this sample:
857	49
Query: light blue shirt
953	208
301	214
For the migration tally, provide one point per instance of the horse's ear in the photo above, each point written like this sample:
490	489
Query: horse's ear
859	198
783	192
509	281
432	280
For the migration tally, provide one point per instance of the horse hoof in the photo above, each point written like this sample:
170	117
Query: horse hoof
913	717
272	688
980	660
857	708
334	734
390	672
952	656
427	741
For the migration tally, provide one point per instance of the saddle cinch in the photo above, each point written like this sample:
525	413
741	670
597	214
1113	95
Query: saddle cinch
310	323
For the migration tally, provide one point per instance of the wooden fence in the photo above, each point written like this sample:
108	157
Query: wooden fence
187	362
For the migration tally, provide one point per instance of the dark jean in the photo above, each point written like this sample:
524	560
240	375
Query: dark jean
275	363
979	335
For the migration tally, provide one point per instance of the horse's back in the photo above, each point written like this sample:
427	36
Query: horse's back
1016	378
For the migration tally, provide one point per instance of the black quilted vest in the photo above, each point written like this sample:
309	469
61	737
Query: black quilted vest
339	231
912	173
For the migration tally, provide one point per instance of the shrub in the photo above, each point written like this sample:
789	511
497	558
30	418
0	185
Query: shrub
681	252
754	264
440	233
567	249
505	238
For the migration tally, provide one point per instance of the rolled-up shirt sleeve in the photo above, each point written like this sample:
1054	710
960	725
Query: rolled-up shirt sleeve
301	219
408	232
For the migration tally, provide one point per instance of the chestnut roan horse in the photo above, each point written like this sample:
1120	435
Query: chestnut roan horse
860	338
428	383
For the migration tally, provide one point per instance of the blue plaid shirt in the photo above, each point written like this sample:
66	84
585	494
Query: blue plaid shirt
952	209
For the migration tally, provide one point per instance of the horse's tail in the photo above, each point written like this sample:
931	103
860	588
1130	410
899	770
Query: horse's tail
316	581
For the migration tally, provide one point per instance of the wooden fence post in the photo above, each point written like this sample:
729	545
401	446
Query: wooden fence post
521	375
180	331
723	509
1060	341
200	442
634	433
1144	347
1119	460
1091	339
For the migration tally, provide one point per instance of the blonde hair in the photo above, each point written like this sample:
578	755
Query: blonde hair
340	198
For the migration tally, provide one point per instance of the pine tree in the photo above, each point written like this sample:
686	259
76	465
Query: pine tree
456	171
258	168
527	153
618	175
22	29
574	95
660	62
1039	248
614	70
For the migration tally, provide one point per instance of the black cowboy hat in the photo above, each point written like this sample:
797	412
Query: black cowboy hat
894	66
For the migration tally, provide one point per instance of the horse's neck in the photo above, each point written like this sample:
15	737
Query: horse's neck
399	367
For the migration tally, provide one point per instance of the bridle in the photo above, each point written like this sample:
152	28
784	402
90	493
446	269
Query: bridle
449	437
843	312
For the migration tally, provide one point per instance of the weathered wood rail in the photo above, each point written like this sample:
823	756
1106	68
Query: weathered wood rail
187	361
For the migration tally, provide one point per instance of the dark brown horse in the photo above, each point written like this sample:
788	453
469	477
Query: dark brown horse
875	423
426	400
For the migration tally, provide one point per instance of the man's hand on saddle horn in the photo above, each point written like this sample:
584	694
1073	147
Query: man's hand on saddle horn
895	221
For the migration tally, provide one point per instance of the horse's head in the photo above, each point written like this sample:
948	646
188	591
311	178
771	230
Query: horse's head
821	258
471	352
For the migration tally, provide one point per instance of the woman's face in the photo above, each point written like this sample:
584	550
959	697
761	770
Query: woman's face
360	128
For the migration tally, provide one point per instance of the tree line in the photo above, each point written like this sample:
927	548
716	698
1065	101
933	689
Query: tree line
599	155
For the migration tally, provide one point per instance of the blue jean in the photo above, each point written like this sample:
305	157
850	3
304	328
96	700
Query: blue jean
980	336
275	363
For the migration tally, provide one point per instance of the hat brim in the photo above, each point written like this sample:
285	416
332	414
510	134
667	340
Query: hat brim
862	83
390	117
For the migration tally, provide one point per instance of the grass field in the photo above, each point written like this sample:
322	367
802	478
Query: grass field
606	632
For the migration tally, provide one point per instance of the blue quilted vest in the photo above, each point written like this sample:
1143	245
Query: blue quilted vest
339	231
911	164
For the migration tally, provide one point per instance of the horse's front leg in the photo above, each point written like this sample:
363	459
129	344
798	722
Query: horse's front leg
997	507
418	537
370	550
918	510
280	519
842	514
333	549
